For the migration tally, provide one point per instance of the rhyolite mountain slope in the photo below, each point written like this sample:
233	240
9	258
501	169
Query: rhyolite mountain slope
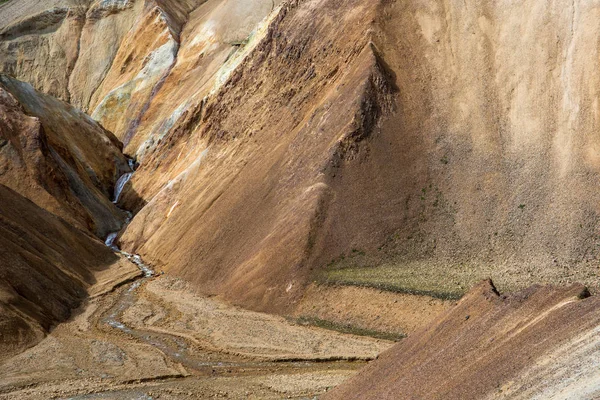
47	268
58	157
430	139
426	141
540	343
58	169
411	146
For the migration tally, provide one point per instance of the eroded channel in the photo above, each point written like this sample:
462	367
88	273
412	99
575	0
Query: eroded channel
178	349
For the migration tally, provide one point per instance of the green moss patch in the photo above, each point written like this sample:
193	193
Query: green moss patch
347	328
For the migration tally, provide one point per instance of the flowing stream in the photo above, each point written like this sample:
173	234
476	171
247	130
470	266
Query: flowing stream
126	299
175	347
178	349
122	181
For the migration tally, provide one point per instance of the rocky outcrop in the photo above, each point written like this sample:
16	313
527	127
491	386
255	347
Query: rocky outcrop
12	11
117	77
165	68
541	343
97	49
59	158
136	74
42	49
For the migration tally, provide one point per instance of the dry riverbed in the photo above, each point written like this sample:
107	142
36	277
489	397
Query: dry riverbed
155	338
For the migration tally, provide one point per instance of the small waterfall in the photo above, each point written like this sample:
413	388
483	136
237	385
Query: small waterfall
110	240
121	184
123	179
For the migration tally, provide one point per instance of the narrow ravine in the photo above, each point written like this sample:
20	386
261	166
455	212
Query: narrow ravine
134	258
174	347
151	336
119	186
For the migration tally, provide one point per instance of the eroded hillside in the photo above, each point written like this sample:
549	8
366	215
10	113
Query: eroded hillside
357	164
59	157
404	138
46	270
540	343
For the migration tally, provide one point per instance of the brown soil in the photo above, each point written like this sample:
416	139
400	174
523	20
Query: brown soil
181	345
59	158
538	343
46	269
278	137
411	146
370	309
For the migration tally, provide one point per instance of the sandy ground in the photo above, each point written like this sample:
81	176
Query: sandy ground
369	308
156	338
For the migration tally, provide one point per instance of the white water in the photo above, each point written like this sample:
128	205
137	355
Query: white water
121	184
123	179
110	239
137	260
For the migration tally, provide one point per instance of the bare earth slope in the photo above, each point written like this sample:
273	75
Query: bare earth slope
320	145
409	146
485	166
488	167
423	140
238	184
540	343
46	266
59	157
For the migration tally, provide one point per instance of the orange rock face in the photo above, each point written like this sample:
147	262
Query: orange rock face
244	176
410	146
276	138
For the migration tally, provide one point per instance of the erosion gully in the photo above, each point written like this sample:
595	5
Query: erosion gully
178	349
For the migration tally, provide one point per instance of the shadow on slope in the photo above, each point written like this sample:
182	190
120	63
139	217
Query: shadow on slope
46	265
